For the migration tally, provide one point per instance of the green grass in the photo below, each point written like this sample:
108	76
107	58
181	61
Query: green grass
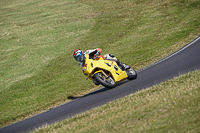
37	39
172	106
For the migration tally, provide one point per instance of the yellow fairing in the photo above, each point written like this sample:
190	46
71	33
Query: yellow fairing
94	66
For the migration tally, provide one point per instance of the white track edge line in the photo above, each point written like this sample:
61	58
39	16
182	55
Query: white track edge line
183	48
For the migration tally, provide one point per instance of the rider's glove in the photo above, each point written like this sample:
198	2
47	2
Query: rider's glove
97	55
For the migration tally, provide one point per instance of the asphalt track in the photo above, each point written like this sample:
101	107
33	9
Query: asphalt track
185	60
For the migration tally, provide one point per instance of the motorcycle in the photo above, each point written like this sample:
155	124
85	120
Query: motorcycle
106	72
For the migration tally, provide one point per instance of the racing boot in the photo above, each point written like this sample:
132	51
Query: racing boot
122	65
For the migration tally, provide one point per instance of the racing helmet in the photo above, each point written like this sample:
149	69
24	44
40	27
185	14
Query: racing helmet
78	55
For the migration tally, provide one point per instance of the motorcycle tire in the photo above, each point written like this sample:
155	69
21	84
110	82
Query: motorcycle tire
107	82
132	74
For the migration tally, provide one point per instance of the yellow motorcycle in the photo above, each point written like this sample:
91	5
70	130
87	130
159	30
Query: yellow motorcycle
106	72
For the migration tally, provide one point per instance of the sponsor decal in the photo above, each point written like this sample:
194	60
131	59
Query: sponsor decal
111	63
83	70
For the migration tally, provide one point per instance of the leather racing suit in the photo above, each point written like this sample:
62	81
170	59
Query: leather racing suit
94	53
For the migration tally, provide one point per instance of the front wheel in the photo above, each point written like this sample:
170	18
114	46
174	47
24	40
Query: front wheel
132	74
107	82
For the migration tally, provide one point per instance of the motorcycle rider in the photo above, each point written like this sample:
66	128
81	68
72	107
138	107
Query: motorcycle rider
79	55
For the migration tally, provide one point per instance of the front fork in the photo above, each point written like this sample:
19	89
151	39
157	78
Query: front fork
104	73
100	70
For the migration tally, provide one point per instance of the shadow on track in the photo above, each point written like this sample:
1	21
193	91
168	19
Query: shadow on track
92	93
95	92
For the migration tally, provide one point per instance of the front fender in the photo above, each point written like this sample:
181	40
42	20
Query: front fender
96	72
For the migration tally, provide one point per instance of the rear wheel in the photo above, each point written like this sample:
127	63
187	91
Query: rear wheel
107	82
132	74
